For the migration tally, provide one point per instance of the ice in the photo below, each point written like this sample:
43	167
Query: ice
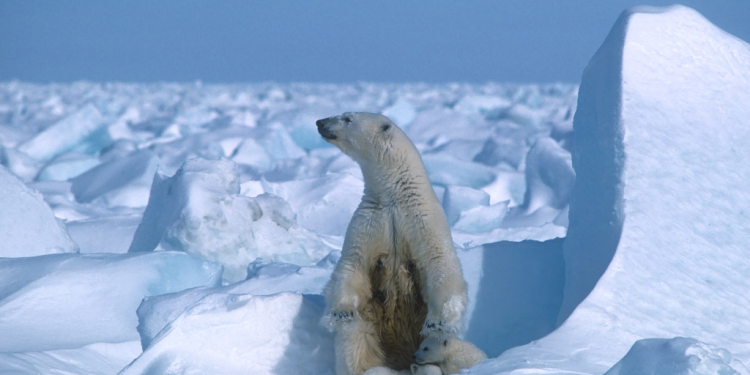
119	182
444	170
677	356
474	137
65	301
482	218
544	232
241	333
28	226
523	115
469	210
67	166
508	147
549	176
22	165
199	211
402	113
82	131
306	136
110	234
482	104
252	154
508	186
433	123
464	150
279	144
457	199
324	204
657	240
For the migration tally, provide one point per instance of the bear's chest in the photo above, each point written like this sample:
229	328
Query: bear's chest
397	307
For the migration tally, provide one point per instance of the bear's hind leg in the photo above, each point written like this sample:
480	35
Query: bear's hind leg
357	348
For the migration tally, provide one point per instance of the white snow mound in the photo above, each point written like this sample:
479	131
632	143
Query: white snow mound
65	301
264	278
28	226
199	211
242	334
677	356
658	236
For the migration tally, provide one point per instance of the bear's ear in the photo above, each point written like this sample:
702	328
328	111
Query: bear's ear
385	127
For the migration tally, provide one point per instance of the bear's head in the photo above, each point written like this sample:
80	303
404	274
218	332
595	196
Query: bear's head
368	138
431	350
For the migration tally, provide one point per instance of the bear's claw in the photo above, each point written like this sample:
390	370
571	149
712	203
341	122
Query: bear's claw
439	329
343	316
434	326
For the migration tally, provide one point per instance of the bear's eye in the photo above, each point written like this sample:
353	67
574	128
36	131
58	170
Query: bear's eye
347	120
385	127
445	343
426	349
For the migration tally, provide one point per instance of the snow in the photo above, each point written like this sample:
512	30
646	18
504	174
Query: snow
325	204
517	292
276	334
457	199
94	359
210	217
28	226
679	355
252	154
264	278
657	241
199	211
65	301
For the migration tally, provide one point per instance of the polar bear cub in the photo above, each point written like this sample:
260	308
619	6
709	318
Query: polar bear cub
452	355
415	370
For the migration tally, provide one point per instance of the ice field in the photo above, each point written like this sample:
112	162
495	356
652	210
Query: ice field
190	228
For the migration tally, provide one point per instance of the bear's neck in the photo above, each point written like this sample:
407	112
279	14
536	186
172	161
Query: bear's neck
398	183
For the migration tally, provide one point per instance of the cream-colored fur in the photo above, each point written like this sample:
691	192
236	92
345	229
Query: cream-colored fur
452	354
399	278
414	370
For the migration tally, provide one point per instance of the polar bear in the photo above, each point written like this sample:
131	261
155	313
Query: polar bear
398	279
451	354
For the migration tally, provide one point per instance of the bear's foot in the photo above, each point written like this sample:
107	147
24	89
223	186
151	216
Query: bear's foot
434	328
342	316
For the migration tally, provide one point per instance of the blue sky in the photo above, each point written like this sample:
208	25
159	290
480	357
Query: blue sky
315	40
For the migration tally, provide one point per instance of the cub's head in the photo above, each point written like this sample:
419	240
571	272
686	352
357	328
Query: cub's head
425	370
365	137
431	350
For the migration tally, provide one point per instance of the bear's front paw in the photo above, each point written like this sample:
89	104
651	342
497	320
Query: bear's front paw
342	316
337	319
434	328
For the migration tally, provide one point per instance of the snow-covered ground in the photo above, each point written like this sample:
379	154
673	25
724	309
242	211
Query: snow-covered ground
189	228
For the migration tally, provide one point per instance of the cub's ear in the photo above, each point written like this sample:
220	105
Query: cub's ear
385	127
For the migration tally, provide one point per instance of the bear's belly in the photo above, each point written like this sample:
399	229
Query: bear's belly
397	310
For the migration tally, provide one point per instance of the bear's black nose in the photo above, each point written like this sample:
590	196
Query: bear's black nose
324	131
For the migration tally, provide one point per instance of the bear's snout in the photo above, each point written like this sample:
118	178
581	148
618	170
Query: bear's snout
323	129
